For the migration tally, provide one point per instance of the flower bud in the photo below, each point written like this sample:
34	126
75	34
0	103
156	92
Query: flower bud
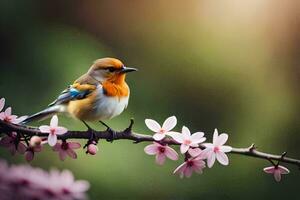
35	141
92	149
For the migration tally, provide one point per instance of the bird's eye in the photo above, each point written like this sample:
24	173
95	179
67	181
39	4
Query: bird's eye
111	69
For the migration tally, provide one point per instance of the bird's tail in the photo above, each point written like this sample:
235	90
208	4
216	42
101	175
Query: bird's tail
44	114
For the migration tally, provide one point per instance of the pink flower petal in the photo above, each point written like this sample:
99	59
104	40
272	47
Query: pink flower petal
215	136
170	123
222	139
225	149
72	153
160	158
269	170
195	152
74	145
283	170
2	103
21	148
81	186
186	132
151	149
171	153
57	147
52	139
62	155
211	157
209	145
180	168
178	137
6	141
29	156
206	152
153	125
222	158
198	137
158	136
19	120
2	116
60	130
277	175
54	121
184	148
8	111
45	129
188	172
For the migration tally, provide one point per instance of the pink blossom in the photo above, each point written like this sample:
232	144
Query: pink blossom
25	182
53	130
12	144
8	117
193	164
92	149
161	132
66	148
277	170
2	103
35	145
187	140
217	149
161	152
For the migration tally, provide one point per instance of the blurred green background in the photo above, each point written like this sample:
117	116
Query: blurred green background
231	64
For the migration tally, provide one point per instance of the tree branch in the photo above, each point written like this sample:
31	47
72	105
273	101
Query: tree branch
128	134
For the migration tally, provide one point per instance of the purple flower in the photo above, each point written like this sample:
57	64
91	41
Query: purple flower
277	170
187	168
161	152
66	148
12	144
35	145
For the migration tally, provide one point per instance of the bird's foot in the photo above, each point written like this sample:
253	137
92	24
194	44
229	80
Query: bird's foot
92	135
113	134
128	130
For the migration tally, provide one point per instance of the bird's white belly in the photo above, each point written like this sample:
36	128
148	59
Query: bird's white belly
107	107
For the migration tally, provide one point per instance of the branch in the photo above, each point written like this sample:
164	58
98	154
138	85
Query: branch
128	134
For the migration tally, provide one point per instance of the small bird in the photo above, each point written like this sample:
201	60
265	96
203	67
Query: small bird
100	94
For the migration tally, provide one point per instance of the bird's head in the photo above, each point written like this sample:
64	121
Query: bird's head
110	69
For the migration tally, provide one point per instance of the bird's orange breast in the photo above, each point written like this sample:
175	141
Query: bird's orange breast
116	86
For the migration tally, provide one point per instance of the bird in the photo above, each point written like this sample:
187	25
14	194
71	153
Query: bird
100	94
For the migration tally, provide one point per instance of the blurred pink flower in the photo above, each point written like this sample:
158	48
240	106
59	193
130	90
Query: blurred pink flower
161	132
193	164
12	144
161	152
66	148
92	149
25	182
35	145
2	103
217	149
8	117
53	130
187	140
277	171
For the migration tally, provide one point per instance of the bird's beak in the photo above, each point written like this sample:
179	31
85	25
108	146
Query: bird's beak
128	69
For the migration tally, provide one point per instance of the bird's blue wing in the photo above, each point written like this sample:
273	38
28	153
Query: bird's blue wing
70	94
